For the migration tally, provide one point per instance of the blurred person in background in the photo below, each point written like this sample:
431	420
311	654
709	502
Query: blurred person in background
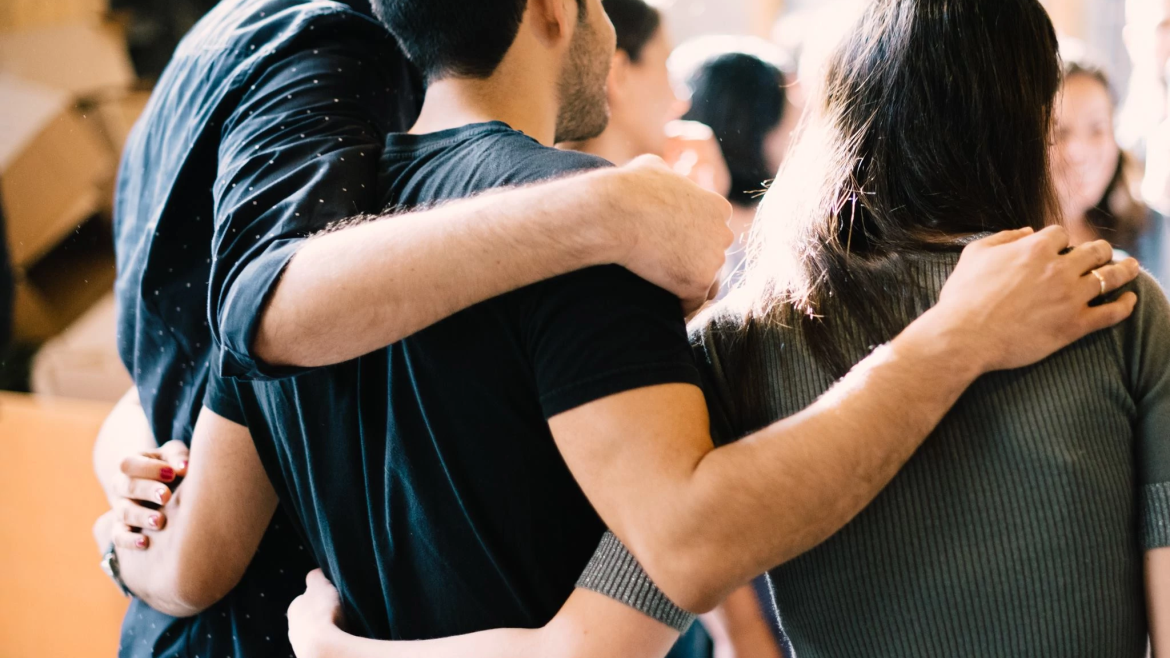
1093	174
1147	38
643	105
1144	124
741	96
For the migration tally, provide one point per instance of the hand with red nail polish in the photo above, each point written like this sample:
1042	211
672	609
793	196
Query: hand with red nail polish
142	488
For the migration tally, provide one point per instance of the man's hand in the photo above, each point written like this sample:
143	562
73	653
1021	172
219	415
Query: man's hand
142	488
674	233
314	617
1016	299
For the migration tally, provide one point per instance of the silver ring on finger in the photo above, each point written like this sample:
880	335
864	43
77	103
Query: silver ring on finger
1101	278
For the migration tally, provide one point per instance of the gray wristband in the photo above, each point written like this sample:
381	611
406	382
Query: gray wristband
614	572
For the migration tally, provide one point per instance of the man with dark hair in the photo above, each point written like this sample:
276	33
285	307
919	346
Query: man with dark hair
457	480
265	129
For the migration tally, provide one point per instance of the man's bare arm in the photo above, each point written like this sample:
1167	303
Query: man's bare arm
215	521
350	292
704	521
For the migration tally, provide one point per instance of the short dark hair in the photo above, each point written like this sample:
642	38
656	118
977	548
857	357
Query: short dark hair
742	98
635	22
454	38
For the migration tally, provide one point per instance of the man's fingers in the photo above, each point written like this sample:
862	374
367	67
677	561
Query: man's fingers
1114	275
137	516
1055	238
148	467
1089	256
1003	237
176	454
1108	315
127	539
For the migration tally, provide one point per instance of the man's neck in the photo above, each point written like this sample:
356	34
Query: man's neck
611	145
523	102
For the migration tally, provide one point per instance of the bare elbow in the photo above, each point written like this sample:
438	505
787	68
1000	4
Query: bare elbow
270	350
173	596
690	576
192	589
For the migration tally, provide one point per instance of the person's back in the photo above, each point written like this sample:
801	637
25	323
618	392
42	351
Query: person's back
1017	529
425	474
1014	530
201	207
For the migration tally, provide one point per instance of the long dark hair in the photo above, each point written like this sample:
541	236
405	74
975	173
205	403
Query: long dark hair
1118	216
742	98
933	122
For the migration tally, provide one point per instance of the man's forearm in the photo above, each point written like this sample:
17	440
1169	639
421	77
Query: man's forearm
787	488
353	291
124	432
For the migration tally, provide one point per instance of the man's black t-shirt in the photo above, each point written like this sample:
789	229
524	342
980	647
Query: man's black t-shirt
424	474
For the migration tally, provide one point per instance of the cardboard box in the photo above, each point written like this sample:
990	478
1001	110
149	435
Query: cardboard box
52	167
117	116
64	284
83	361
84	59
24	14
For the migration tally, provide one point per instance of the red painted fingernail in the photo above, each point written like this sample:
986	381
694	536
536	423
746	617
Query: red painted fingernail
166	473
140	542
153	521
158	495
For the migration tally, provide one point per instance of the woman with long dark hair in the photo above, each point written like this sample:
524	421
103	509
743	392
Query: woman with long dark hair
1095	178
1035	520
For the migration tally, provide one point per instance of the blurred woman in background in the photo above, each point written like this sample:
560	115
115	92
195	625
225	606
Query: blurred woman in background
741	96
643	107
1094	177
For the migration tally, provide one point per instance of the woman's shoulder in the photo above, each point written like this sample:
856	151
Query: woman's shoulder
1149	325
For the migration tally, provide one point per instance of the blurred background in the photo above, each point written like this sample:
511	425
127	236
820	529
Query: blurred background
75	75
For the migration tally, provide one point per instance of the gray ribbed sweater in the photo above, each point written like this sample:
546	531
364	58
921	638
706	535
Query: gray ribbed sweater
1016	530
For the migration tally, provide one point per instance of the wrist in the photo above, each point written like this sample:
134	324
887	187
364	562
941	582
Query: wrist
943	337
332	642
609	236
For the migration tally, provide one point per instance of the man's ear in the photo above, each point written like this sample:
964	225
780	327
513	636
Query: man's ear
553	21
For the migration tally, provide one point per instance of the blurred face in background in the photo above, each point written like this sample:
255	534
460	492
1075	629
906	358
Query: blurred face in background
1085	151
641	97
